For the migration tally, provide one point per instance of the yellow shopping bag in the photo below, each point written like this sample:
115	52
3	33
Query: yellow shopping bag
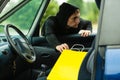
67	66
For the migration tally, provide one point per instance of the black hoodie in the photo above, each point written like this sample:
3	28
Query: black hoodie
56	25
65	11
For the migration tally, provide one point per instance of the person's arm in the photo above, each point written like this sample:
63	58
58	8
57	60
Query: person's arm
51	37
49	33
86	28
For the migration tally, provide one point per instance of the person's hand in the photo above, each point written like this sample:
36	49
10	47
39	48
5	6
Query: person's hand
84	33
61	47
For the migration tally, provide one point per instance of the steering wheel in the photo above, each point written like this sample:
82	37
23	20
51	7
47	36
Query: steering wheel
23	49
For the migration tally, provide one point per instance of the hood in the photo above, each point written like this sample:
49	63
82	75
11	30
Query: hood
65	11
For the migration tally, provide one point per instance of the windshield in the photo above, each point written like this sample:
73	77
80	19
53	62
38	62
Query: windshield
2	36
6	6
22	18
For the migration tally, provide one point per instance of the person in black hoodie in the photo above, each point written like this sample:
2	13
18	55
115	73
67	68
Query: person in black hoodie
67	21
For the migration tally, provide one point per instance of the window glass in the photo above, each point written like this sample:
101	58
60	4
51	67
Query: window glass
88	10
2	36
24	17
8	6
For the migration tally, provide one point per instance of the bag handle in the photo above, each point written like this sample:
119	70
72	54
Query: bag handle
78	49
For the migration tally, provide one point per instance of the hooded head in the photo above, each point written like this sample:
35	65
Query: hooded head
65	11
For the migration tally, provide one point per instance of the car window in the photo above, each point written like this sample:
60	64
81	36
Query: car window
24	17
88	10
8	7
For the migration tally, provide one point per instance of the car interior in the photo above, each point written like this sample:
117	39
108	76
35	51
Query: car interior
10	53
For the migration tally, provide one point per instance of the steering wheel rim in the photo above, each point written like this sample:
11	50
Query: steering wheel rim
24	50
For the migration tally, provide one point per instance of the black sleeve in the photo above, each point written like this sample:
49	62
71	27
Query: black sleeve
85	24
50	33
